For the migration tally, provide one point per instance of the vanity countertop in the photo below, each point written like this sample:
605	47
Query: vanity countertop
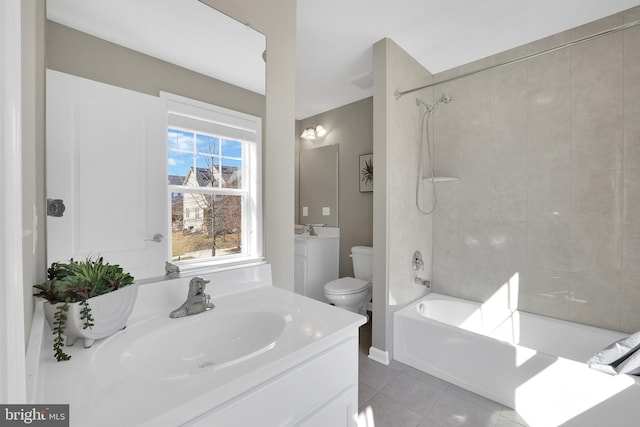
322	233
103	390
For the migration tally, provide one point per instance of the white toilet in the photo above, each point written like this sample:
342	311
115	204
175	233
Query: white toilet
350	293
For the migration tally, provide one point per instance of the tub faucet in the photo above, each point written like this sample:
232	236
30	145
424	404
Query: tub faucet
197	301
422	282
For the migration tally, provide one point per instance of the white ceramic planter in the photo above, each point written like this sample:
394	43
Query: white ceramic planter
110	313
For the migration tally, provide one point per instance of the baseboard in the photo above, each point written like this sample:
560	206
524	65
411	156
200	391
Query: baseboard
379	356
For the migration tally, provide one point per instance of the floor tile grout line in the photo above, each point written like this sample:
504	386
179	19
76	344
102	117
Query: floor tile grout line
448	388
434	405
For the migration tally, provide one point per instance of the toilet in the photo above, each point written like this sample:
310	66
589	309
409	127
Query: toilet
353	293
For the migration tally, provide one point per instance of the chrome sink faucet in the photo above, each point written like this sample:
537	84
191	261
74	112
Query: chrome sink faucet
197	301
171	270
312	231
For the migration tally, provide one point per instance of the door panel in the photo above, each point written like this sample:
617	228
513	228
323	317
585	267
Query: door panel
106	158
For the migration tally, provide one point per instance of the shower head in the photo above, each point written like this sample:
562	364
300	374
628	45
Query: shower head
432	108
444	98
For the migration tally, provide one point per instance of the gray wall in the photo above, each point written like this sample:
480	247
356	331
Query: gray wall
351	128
74	52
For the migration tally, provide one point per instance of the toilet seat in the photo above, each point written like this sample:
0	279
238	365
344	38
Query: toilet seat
346	286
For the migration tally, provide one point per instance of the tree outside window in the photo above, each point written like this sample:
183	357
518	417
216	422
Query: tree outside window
205	175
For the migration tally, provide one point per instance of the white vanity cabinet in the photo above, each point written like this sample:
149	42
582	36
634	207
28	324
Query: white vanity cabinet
299	397
316	262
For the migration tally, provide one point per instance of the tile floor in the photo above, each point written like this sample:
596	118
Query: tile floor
401	396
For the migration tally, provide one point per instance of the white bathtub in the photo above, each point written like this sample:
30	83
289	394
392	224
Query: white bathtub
531	363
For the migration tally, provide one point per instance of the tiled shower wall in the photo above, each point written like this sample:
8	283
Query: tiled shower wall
545	215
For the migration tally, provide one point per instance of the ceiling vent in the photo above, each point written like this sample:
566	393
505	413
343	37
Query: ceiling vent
364	82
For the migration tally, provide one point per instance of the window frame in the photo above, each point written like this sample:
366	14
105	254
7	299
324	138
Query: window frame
233	125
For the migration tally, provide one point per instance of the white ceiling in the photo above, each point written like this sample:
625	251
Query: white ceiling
334	38
183	32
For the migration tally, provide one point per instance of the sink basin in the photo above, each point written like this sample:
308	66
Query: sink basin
164	348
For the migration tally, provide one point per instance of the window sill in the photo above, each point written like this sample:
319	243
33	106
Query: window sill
191	268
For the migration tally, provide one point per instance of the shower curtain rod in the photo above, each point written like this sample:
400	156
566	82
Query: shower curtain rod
398	93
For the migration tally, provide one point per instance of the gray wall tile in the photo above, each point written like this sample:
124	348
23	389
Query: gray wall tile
548	155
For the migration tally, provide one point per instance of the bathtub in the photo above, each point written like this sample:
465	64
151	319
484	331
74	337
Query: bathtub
527	362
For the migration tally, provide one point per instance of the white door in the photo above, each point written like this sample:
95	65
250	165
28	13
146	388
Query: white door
106	159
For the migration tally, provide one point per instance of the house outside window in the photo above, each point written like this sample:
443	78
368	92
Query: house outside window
213	181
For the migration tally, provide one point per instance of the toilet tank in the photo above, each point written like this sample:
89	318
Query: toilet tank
362	258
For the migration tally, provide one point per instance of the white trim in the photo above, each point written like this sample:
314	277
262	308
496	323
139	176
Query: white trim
207	190
191	108
12	350
252	215
34	348
379	356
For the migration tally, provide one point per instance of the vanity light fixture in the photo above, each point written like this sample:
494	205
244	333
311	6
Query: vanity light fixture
308	134
313	132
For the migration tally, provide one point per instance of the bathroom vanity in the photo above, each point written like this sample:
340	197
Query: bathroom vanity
263	356
316	261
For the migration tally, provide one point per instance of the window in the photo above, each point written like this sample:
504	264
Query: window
213	182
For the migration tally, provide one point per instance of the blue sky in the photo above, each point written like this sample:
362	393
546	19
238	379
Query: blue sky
205	149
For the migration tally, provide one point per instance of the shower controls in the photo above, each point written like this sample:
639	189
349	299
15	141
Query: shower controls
418	263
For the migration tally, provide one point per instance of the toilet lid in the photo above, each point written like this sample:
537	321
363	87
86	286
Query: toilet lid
346	286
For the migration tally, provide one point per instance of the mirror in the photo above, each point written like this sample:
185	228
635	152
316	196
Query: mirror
190	34
319	186
117	56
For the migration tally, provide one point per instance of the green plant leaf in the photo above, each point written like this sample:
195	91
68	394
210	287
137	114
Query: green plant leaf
59	325
80	280
85	315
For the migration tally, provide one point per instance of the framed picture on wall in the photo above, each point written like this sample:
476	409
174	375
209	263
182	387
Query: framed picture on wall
366	173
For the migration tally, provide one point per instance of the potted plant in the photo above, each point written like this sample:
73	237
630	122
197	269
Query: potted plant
88	299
